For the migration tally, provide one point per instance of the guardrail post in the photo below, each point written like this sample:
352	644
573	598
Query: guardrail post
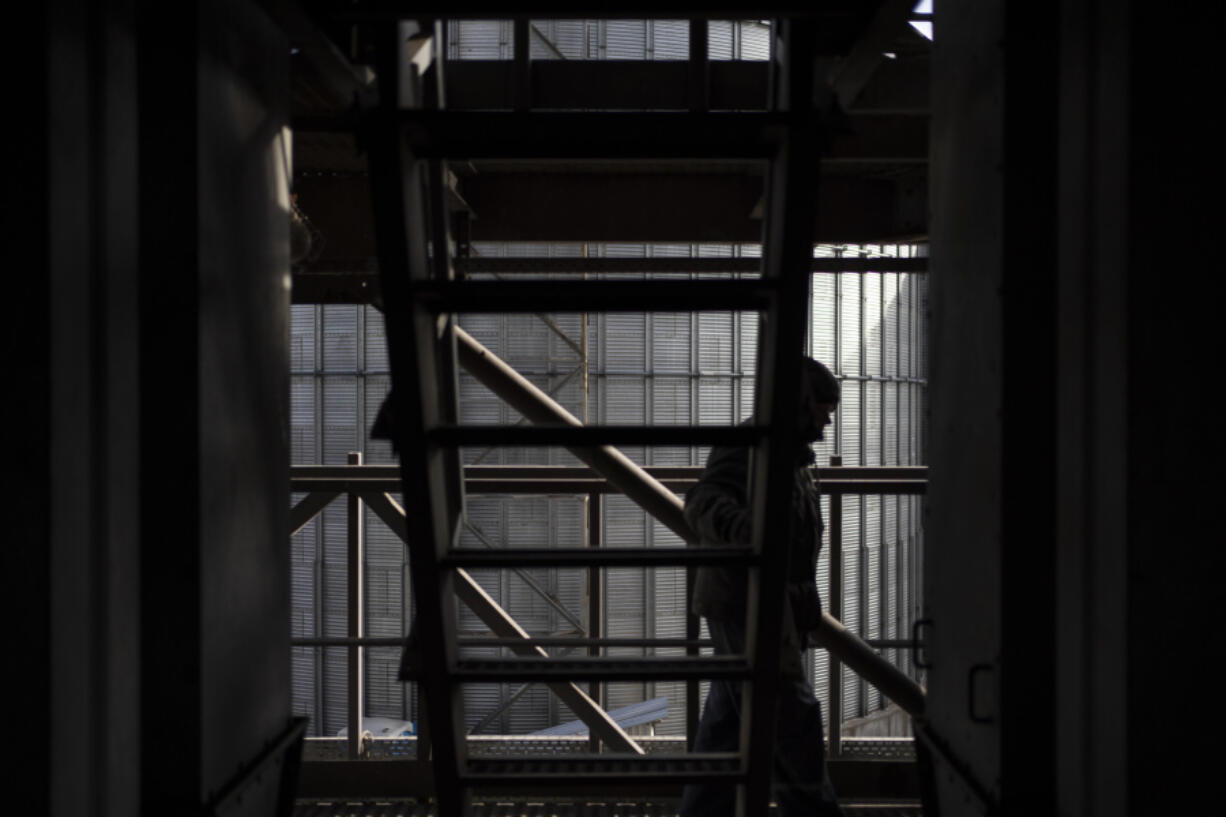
693	629
834	719
595	597
354	608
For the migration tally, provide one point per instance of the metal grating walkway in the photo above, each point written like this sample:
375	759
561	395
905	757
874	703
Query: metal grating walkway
529	807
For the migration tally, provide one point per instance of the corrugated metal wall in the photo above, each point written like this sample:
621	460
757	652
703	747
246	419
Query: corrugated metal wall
339	377
871	327
607	39
659	368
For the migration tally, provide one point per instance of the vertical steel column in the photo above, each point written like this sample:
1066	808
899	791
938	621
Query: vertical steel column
865	385
787	250
834	719
697	77
402	230
356	559
883	597
595	599
521	61
692	632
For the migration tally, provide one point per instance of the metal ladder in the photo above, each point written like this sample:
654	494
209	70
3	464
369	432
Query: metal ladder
409	136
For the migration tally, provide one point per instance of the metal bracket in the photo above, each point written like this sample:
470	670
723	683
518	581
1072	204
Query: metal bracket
971	675
920	644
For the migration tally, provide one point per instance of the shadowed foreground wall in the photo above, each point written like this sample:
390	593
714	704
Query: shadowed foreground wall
149	341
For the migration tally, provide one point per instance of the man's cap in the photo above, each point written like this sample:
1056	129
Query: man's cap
820	382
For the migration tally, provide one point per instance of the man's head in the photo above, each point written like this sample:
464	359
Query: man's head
819	395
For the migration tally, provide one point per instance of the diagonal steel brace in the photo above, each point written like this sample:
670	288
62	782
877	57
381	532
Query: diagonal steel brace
503	625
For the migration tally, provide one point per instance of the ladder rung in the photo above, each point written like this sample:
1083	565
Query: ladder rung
460	134
601	668
608	770
595	296
594	435
590	557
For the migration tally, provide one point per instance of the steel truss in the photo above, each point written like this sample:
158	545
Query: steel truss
409	135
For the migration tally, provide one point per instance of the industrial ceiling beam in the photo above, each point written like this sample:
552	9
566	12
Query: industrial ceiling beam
843	17
607	84
739	85
879	137
666	207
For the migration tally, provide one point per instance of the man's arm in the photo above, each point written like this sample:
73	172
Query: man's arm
715	507
716	517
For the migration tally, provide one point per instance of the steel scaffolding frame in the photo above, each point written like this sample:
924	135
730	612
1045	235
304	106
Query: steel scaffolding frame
375	484
409	135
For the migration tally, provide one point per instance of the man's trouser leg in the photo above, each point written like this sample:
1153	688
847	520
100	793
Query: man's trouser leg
801	784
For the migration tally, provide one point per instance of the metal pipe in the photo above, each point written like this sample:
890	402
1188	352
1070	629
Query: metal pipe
532	583
356	609
580	702
503	626
865	661
344	641
835	602
538	407
595	602
554	389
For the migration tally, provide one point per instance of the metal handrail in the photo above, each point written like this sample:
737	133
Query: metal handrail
647	492
613	467
858	654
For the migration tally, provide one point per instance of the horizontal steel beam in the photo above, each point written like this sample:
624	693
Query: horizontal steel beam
582	472
701	266
363	287
560	480
602	668
575	204
477	435
829	487
375	779
853	487
536	640
847	13
578	204
519	773
889	138
575	641
613	85
472	135
349	641
597	557
607	84
594	296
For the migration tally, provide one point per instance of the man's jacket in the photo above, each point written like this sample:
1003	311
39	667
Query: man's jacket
716	508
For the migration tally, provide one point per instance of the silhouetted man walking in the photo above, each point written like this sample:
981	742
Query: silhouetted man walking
717	509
